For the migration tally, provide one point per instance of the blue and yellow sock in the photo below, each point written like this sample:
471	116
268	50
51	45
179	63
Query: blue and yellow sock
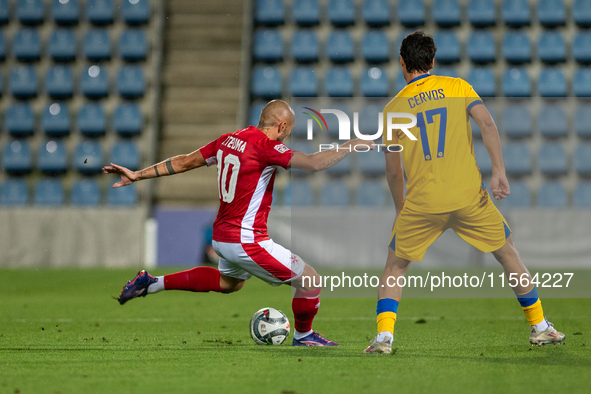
532	306
386	311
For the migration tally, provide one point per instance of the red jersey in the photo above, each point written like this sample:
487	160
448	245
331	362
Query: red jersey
247	161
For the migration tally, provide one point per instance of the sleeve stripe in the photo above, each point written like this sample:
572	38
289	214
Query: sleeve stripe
473	103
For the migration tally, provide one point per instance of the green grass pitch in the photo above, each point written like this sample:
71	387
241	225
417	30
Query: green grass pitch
61	332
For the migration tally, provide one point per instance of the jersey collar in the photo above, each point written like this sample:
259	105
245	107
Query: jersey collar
419	77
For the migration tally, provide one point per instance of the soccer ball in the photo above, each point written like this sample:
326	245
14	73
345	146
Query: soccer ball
269	326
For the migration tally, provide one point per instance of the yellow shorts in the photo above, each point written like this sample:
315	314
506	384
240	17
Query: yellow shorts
480	224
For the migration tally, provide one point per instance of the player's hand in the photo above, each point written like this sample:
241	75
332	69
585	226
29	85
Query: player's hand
127	176
499	185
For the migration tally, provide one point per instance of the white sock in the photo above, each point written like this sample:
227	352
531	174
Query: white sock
541	326
385	335
299	335
156	286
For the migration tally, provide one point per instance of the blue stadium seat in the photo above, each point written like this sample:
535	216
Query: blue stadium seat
448	47
516	12
411	13
482	158
341	12
341	168
520	196
374	82
552	83
517	158
338	82
1	83
482	80
552	159
581	12
88	157
131	82
268	45
2	46
122	196
49	192
334	193
303	82
20	120
4	12
376	12
59	81
340	47
92	120
255	113
482	13
306	12
302	146
14	192
23	82
52	157
62	45
100	12
446	13
400	82
552	195
369	119
331	119
375	47
582	120
133	44
476	132
17	157
582	159
26	44
582	82
481	47
94	82
97	45
65	12
304	46
552	121
551	47
55	120
372	162
551	13
516	82
86	192
517	47
135	12
445	71
266	82
269	12
517	120
371	193
30	12
125	153
300	129
582	47
127	119
582	195
298	192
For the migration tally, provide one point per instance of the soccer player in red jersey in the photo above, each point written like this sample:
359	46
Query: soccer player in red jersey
247	161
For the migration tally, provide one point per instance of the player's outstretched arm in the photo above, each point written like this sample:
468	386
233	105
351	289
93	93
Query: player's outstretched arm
327	158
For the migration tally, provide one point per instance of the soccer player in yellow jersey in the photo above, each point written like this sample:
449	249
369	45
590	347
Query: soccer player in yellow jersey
444	187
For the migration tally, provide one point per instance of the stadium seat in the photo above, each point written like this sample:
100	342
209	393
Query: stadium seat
448	47
306	12
86	192
375	47
52	157
582	159
30	12
552	195
476	132
369	118
26	44
135	12
127	119
14	192
2	46
334	193
65	12
517	120
481	47
131	82
582	82
298	192
551	47
49	192
338	82
97	45
371	193
266	82
582	120
341	12
581	12
520	196
552	83
55	120
551	13
516	12
446	13
269	12
340	47
94	82
400	82
133	44
482	13
92	120
17	157
59	81
122	196
303	82
552	159
268	45
411	13
445	71
100	12
341	168
23	82
374	82
482	158
88	157
255	113
62	45
4	12
582	47
376	13
20	120
482	80
372	162
517	47
302	146
1	83
517	158
582	195
304	46
125	153
516	82
552	121
300	129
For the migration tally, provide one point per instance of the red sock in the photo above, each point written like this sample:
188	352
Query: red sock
304	310
199	279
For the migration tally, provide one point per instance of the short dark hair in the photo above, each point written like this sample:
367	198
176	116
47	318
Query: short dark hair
418	50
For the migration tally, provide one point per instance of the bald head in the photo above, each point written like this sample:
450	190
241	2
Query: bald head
276	119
